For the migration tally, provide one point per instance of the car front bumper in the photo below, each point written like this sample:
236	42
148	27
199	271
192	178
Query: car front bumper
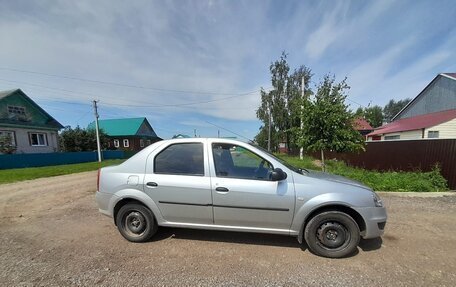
375	220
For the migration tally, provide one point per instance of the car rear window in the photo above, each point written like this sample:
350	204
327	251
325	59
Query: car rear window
180	159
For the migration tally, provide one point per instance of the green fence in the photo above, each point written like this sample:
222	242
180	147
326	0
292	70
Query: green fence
8	161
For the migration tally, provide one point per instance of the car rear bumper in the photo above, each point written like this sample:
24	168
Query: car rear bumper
103	199
375	219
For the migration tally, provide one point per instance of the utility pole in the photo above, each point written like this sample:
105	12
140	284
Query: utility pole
269	128
301	149
218	133
95	108
194	132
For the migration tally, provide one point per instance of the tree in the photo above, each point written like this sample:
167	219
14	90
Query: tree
392	108
327	122
6	144
280	103
78	139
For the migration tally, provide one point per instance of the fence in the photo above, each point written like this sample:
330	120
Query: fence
8	161
406	155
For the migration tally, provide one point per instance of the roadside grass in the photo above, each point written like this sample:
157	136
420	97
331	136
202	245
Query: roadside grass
19	174
379	180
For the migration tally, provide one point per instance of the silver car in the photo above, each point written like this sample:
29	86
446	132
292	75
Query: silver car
222	184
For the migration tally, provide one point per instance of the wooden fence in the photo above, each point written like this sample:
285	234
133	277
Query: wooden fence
406	155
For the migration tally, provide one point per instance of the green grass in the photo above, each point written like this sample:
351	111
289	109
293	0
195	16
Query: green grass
19	174
379	181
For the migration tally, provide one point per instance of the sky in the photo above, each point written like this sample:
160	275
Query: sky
199	65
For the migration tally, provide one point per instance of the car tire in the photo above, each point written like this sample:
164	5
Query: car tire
332	234
136	222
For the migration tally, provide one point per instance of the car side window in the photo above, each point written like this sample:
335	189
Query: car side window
180	159
238	162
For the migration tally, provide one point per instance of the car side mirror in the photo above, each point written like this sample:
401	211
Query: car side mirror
278	174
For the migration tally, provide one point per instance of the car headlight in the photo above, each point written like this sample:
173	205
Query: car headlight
377	200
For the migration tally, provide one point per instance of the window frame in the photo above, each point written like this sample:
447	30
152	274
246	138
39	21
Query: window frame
234	177
12	134
141	143
433	132
179	174
392	138
11	108
127	141
116	143
46	142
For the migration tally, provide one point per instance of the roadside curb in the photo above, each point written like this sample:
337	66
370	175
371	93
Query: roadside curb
418	194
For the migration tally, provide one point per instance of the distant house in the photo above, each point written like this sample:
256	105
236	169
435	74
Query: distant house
31	129
128	134
431	114
428	126
362	126
439	95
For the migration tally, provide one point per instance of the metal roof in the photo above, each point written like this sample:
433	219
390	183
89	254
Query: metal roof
122	127
415	123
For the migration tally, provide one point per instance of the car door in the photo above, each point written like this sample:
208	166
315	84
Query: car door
177	179
243	194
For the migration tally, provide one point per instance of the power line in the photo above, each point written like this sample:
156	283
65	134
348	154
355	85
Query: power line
125	105
229	131
119	84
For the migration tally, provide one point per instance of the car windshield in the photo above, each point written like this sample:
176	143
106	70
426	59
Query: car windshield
293	168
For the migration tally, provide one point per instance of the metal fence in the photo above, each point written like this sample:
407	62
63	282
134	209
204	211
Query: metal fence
405	155
8	161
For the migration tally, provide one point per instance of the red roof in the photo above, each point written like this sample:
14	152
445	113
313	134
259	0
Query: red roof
453	75
361	124
416	123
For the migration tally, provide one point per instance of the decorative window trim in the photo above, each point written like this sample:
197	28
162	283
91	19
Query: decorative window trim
141	143
16	110
116	143
11	133
126	143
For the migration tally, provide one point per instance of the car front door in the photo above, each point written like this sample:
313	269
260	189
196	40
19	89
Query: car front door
177	179
243	193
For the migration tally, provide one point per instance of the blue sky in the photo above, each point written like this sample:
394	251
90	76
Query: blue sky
184	52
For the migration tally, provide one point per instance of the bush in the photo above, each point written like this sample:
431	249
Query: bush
380	181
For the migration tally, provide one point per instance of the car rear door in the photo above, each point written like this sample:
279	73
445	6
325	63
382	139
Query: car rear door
177	179
243	195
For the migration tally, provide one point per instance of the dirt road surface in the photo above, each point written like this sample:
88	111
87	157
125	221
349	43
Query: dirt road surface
51	234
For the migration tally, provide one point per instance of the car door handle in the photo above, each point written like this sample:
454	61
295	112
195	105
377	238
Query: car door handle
222	189
152	184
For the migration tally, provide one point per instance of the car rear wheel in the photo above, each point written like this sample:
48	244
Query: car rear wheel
136	222
332	234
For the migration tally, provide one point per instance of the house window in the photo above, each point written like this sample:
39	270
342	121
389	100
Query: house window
38	139
16	110
116	143
396	137
148	142
141	143
433	134
126	143
9	134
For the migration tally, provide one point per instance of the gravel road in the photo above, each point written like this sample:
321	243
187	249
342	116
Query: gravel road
51	234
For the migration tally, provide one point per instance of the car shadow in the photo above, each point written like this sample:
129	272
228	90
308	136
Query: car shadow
228	236
370	244
250	238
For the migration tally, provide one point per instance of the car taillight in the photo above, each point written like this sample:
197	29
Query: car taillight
98	179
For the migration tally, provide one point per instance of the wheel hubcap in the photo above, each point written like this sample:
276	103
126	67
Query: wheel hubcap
135	223
332	234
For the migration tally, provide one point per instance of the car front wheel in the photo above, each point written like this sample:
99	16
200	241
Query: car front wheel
332	234
136	222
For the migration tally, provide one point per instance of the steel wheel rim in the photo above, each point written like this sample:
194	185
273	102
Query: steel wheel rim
134	223
332	235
